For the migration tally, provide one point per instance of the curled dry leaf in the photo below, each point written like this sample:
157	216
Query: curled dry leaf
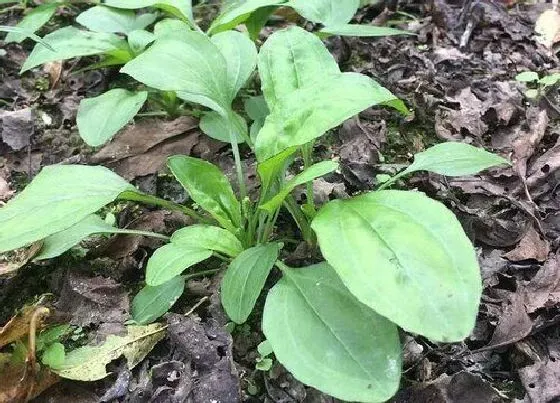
12	262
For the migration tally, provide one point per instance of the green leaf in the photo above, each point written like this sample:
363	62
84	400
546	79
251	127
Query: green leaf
308	113
189	246
112	20
257	20
314	171
362	30
240	54
54	356
52	335
527	76
218	127
88	363
152	302
138	40
170	27
245	278
69	42
100	118
57	198
326	12
271	171
551	79
264	348
454	159
178	8
192	66
256	108
329	340
209	188
407	257
237	12
291	59
32	21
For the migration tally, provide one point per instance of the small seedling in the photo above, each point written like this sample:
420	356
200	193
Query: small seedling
541	84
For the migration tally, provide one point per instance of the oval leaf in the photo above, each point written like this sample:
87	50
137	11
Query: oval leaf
326	12
192	66
454	159
57	198
152	302
170	27
208	237
237	12
407	257
32	21
69	42
314	171
245	279
100	118
209	188
112	20
218	127
240	54
329	340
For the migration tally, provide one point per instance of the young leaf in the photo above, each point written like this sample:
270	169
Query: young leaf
152	302
32	21
245	278
527	76
240	54
69	42
237	12
407	257
218	127
314	171
257	20
170	27
362	30
307	113
100	118
329	340
326	12
57	198
112	20
54	355
188	247
58	243
138	40
191	65
291	59
88	363
454	159
178	8
209	188
550	79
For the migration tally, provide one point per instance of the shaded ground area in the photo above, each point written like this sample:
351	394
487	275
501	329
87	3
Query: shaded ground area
461	88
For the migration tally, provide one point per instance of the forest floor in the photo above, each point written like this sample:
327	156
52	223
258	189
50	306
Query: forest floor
460	87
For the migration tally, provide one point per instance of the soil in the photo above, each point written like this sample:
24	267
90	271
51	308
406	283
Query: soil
460	86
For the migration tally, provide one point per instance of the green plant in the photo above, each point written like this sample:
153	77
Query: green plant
393	258
541	84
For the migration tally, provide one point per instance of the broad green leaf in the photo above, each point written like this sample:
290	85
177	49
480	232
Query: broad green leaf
218	127
527	76
291	59
188	247
314	171
407	257
209	188
240	54
113	20
58	243
192	66
138	40
69	42
88	363
237	12
54	355
52	335
26	33
326	12
454	159
309	112
328	340
245	278
179	8
100	118
32	21
550	79
152	302
170	27
57	198
362	30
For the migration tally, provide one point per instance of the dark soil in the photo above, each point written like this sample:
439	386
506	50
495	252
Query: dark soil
459	89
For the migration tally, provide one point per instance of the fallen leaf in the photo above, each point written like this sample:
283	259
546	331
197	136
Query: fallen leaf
18	326
450	123
526	141
88	363
17	128
514	323
531	246
543	291
11	262
547	28
541	380
5	192
542	175
54	70
19	383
